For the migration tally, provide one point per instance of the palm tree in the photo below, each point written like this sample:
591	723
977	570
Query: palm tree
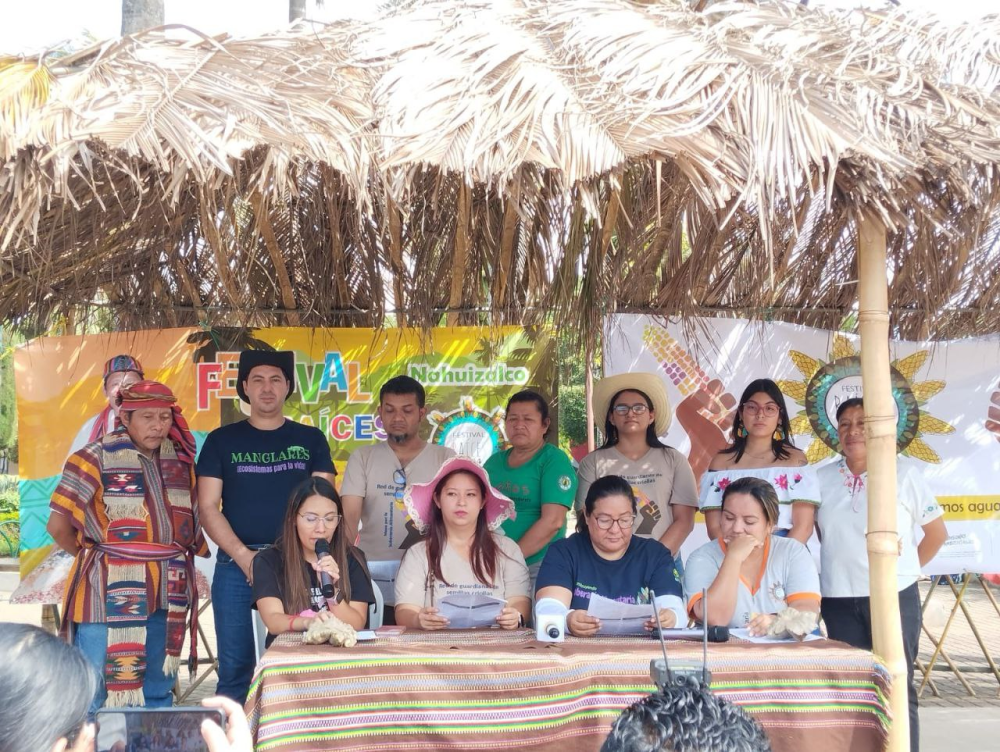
138	15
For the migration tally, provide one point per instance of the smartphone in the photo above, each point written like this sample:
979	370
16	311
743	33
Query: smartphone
157	730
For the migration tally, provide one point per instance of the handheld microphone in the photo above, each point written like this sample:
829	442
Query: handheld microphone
326	581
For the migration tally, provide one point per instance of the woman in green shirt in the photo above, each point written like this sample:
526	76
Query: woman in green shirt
538	476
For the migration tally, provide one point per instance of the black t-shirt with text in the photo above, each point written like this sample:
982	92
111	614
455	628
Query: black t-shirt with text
269	575
259	469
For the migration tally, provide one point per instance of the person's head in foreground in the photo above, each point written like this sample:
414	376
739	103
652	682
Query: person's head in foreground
685	717
46	687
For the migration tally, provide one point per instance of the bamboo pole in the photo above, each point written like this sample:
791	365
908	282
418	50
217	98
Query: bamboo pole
880	430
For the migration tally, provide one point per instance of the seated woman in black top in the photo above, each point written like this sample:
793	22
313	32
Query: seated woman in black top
286	585
604	557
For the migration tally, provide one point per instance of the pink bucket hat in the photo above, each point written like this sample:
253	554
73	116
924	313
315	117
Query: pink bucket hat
419	498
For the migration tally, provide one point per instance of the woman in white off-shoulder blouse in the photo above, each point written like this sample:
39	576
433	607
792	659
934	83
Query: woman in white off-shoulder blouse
762	448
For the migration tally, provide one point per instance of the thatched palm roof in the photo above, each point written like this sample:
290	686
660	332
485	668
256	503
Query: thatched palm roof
508	161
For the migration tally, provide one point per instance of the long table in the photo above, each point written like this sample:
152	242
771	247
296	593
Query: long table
478	690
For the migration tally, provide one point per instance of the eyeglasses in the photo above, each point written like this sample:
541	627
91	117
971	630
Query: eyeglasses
770	409
328	521
638	409
399	478
604	522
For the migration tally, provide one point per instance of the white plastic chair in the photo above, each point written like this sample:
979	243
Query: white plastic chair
376	611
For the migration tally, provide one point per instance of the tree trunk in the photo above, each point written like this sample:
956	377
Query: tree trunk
880	430
296	10
139	15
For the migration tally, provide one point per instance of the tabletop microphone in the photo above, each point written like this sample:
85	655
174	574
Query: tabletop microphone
326	581
717	634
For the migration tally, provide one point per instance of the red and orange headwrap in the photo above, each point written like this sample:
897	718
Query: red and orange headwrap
156	395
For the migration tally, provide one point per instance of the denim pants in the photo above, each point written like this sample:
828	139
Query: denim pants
850	620
232	598
157	687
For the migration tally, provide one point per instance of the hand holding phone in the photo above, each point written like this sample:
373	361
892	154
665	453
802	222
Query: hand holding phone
237	736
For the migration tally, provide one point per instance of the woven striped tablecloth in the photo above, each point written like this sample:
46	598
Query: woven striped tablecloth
500	690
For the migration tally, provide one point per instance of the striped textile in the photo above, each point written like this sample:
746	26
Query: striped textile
495	690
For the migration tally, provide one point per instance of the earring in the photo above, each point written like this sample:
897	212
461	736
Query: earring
742	432
778	434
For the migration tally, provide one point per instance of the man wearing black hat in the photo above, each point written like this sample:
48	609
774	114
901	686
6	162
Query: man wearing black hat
246	472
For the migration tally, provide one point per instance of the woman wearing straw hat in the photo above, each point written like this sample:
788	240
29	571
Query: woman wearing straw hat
458	511
762	448
636	411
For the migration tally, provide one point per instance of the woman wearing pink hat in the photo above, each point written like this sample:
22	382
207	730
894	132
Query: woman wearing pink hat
458	512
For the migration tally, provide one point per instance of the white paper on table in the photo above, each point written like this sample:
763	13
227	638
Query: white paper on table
620	618
744	634
366	634
470	610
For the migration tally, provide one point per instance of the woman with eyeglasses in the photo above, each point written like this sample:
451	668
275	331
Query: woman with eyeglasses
762	448
750	575
636	411
607	559
286	578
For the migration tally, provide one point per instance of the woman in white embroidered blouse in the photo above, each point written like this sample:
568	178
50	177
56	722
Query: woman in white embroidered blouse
843	523
762	448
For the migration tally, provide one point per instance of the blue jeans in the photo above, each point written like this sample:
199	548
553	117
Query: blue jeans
232	598
157	687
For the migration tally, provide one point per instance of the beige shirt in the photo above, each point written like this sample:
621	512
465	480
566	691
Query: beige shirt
660	478
374	473
512	578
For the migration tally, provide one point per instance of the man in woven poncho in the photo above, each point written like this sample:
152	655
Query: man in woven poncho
125	509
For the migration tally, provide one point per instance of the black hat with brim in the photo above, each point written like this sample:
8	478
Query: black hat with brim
250	359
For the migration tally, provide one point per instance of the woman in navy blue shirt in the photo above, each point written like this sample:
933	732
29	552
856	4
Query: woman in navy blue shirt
605	558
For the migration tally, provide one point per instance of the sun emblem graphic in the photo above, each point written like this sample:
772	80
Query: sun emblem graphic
470	430
827	384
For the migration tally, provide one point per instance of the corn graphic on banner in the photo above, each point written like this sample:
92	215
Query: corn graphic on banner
947	398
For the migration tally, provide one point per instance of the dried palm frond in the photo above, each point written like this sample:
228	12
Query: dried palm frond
509	162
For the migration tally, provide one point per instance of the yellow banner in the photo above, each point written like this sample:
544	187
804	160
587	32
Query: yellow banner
970	507
468	373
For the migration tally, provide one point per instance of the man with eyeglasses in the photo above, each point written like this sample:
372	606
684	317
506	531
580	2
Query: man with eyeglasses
376	477
246	473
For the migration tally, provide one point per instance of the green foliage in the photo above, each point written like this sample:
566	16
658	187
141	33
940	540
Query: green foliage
572	394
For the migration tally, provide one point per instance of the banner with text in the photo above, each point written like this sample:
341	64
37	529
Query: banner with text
468	374
947	398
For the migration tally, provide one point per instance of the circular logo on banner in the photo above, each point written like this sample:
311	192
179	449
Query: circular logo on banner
469	430
827	385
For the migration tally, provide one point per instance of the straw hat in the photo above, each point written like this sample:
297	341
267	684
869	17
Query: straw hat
648	383
419	498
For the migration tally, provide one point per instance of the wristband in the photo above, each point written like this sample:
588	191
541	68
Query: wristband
291	623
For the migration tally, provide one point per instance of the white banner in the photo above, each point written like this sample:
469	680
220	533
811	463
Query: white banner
947	396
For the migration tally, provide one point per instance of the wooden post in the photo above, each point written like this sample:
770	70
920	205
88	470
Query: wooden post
880	430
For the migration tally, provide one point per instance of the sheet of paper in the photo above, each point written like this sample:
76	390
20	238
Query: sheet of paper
366	634
744	634
619	618
470	610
